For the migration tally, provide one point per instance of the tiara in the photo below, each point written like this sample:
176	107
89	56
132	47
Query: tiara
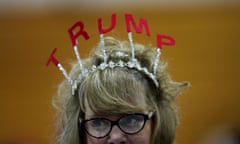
77	30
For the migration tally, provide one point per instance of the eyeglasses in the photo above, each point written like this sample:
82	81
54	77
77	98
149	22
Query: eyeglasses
129	124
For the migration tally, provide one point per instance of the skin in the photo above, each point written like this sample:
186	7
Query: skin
116	136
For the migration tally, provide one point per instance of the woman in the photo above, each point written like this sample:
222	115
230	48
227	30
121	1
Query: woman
119	104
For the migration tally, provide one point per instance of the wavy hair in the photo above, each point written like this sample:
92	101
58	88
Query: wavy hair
117	91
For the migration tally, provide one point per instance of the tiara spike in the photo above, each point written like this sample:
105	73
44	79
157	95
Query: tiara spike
103	48
131	45
78	57
61	68
55	61
156	61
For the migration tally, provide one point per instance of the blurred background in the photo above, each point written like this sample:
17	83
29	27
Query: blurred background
206	53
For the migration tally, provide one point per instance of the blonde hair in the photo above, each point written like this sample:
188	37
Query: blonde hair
117	91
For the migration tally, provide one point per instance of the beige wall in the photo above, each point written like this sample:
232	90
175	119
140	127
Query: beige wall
206	54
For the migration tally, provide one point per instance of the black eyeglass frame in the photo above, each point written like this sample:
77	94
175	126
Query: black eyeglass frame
116	122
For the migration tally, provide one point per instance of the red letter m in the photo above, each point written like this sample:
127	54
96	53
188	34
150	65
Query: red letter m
142	23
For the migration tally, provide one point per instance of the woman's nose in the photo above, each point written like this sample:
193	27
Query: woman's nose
116	136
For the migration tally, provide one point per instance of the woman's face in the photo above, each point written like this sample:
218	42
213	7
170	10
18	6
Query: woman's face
116	135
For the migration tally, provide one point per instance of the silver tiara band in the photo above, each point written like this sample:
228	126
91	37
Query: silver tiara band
130	64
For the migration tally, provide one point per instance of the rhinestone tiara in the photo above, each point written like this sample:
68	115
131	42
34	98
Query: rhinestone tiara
133	63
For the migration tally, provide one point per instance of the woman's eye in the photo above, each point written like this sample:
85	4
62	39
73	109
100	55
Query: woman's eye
131	120
98	123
